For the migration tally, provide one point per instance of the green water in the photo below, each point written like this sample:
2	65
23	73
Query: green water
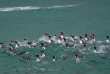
87	16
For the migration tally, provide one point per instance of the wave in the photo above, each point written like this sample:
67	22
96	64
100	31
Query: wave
34	7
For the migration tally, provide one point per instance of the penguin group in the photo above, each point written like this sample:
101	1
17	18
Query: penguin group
62	39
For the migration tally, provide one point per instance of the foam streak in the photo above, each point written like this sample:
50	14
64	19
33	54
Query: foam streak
34	8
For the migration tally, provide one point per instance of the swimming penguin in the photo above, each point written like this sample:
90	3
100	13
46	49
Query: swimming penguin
44	46
95	49
1	45
62	36
59	41
86	38
37	60
42	54
81	41
12	46
68	45
107	39
53	58
30	45
84	45
16	42
65	40
78	57
46	33
22	52
50	40
12	51
73	38
27	59
93	37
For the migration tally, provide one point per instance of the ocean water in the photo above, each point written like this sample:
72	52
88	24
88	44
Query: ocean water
30	19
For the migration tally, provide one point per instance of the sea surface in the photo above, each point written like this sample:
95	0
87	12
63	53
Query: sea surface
31	18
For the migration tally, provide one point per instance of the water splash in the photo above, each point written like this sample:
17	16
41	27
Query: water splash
102	46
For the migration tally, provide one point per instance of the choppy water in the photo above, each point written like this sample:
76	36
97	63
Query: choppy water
30	19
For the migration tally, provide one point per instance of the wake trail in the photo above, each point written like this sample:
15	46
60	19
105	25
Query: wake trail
7	9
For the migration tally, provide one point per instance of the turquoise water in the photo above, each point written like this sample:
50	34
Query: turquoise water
30	19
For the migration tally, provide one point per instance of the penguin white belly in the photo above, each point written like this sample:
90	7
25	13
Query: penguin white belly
30	46
73	40
16	46
37	60
81	41
42	56
49	41
94	39
107	40
43	48
86	38
53	60
95	51
62	36
59	41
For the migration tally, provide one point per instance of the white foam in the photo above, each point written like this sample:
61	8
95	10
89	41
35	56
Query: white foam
35	7
77	60
100	41
101	49
19	8
77	46
22	43
44	38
